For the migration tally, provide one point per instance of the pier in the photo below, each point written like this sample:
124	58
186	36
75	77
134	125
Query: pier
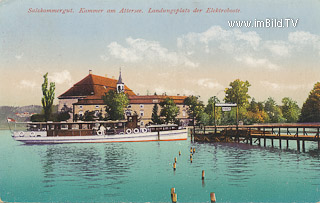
258	134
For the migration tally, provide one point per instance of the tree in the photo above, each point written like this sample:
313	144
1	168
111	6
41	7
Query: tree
195	107
155	118
290	110
256	113
238	93
310	111
273	111
48	97
209	110
169	110
115	104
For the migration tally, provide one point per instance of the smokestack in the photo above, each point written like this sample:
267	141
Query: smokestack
90	71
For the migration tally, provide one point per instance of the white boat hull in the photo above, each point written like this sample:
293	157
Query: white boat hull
172	135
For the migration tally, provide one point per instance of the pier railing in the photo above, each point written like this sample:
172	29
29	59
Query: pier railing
246	133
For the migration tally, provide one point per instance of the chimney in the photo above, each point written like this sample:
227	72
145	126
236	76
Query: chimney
90	72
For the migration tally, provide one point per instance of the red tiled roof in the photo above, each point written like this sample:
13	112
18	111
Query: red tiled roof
93	87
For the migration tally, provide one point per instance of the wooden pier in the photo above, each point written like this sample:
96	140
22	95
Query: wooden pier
258	134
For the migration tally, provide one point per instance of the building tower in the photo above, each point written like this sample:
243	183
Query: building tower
120	84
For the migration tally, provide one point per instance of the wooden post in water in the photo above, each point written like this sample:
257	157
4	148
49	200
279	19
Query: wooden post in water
318	138
174	198
173	190
194	150
287	144
174	166
264	137
175	159
298	141
212	197
179	153
272	142
303	146
202	174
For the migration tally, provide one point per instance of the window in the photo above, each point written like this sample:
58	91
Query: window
141	106
80	113
141	113
97	106
80	107
141	123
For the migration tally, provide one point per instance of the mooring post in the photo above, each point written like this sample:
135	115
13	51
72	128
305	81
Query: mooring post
212	197
250	139
287	144
318	138
303	146
298	141
264	136
272	142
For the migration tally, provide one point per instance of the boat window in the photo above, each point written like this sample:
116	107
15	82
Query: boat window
141	113
141	123
141	106
80	107
97	106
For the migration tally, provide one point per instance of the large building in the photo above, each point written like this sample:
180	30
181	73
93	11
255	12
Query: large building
86	95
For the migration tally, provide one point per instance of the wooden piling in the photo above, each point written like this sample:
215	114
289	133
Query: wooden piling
287	144
272	142
194	150
264	137
191	159
173	190
174	198
175	159
212	197
202	174
174	166
303	146
191	150
279	142
190	156
179	153
298	144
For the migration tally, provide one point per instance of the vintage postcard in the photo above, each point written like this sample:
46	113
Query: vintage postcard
159	101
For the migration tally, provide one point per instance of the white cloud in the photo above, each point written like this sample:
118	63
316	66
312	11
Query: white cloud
302	39
18	57
209	83
285	87
227	40
61	77
278	48
259	62
139	50
27	84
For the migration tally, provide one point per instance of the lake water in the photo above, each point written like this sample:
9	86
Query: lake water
142	172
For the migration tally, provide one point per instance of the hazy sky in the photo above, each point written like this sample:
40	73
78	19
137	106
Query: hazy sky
184	53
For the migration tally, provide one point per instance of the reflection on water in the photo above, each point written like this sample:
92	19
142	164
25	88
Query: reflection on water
92	165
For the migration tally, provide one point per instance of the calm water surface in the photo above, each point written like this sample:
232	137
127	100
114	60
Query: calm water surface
142	172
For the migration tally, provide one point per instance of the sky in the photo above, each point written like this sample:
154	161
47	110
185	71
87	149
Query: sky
186	53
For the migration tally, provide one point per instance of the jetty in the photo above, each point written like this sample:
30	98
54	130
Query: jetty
259	134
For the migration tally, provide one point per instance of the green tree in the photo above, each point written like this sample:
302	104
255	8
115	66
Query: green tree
310	111
290	110
209	110
274	111
169	110
115	104
48	97
256	113
238	93
195	108
155	118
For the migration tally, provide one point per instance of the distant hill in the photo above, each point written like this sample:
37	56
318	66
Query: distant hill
20	114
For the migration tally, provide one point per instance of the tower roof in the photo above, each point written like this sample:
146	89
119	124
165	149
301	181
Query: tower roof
120	78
